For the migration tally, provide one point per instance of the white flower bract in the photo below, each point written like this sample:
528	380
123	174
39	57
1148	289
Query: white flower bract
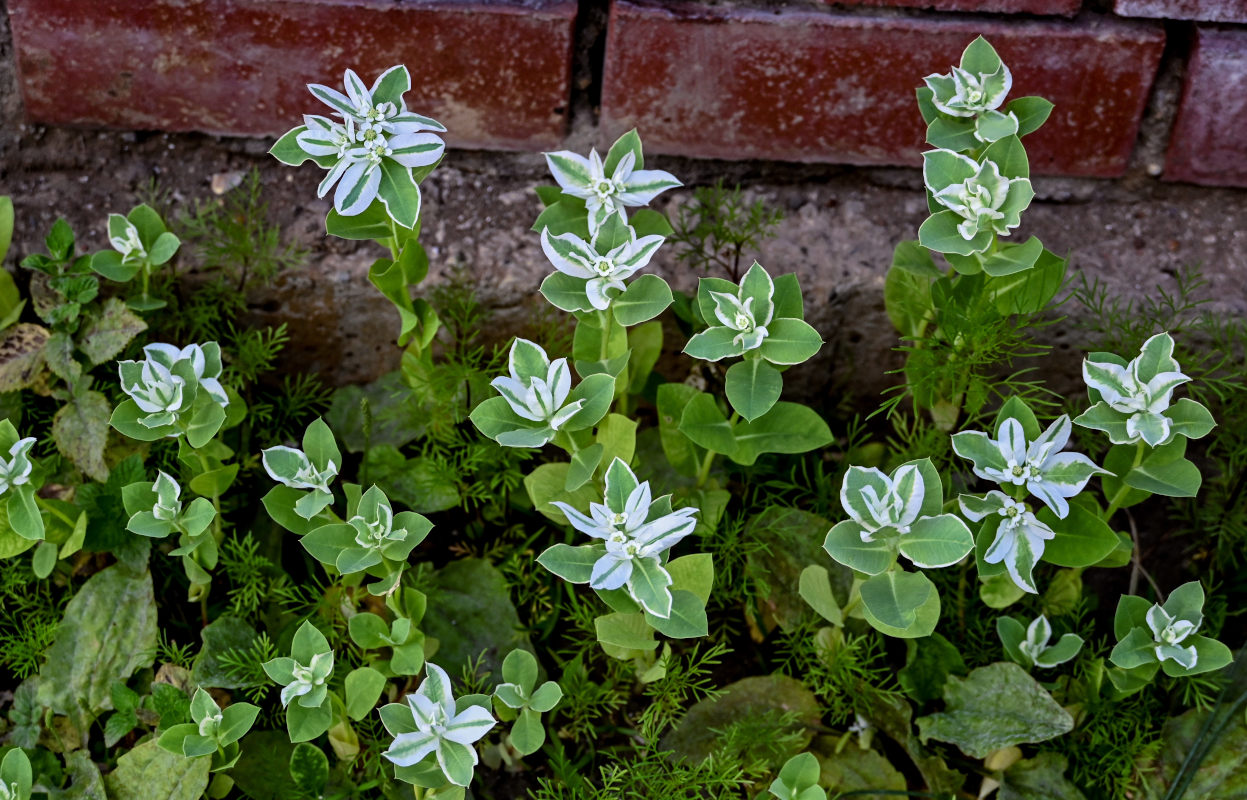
605	194
16	469
440	729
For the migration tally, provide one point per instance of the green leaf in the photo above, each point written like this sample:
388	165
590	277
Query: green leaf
304	724
1031	290
583	464
686	619
108	632
914	259
363	689
699	733
938	541
399	193
630	142
815	588
1165	472
106	335
627	631
901	604
372	223
929	662
547	484
23	515
681	453
566	292
645	298
939	233
309	768
845	545
693	573
287	149
80	429
21	355
617	437
44	560
570	563
952	133
1010	156
993	707
790	341
1032	112
150	773
787	428
597	392
223	634
753	387
1013	258
1081	540
1190	419
705	425
528	734
205	422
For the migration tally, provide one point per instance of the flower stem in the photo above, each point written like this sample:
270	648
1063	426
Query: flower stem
216	501
1120	496
704	473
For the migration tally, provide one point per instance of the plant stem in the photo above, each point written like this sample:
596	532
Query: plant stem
216	501
1120	496
703	474
44	505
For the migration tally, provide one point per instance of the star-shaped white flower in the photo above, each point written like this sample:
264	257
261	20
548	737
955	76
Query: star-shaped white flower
537	388
291	467
635	538
1020	536
1140	391
605	194
15	471
441	730
1048	473
881	502
573	256
1170	632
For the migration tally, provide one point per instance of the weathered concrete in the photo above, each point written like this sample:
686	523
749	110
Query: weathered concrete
838	234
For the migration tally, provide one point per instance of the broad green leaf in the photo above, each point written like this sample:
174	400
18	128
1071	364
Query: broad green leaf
687	617
1013	258
993	707
1081	540
939	233
845	545
548	482
913	258
1222	773
901	604
363	689
626	631
1016	408
582	466
1031	290
617	437
681	453
1161	475
929	661
304	724
372	223
570	563
309	769
1010	156
790	341
1032	112
150	773
1039	778
528	734
938	541
108	632
693	573
907	299
224	634
787	428
80	429
645	298
753	387
107	334
815	589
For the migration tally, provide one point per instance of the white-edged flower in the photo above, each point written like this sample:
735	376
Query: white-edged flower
1140	390
168	493
537	388
291	467
741	316
966	94
979	200
309	681
605	194
1020	536
440	729
1048	473
15	471
376	530
573	256
635	537
893	503
1169	633
124	237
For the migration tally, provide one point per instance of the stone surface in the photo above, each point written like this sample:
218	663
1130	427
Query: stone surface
804	85
1064	8
1208	144
495	72
1204	10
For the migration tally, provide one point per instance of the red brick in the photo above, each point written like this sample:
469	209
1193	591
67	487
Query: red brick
1205	10
801	85
497	74
1208	144
1063	8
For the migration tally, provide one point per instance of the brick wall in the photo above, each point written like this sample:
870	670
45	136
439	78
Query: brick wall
814	82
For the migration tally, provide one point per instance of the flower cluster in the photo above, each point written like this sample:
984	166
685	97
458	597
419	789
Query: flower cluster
430	724
170	384
1041	468
635	532
371	148
1133	400
607	188
600	263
